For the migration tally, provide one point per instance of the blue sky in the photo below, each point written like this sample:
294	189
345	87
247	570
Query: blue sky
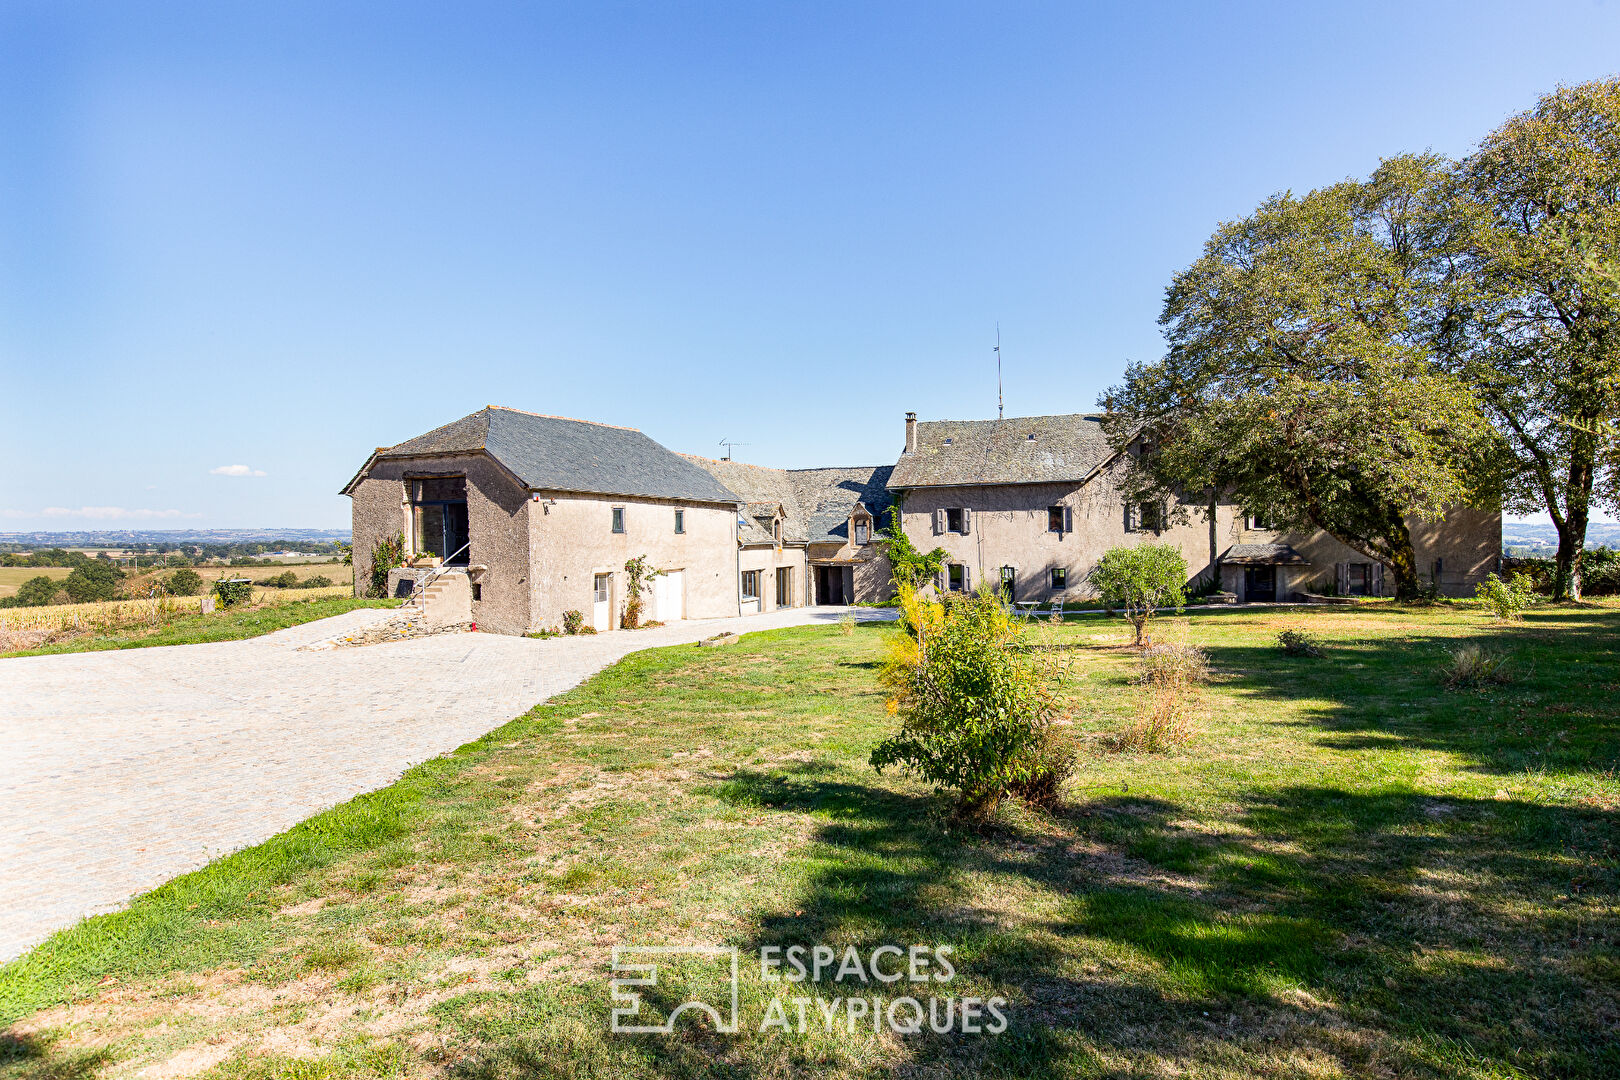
267	238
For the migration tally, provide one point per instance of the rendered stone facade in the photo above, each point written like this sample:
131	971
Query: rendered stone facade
554	508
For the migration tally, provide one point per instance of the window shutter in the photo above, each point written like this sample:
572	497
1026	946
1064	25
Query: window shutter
1340	573
1068	520
967	573
967	521
939	522
1133	517
1378	579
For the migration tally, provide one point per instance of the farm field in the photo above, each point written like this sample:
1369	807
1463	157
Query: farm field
11	577
1349	871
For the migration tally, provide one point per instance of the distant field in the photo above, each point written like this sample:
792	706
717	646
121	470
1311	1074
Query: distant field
13	576
341	574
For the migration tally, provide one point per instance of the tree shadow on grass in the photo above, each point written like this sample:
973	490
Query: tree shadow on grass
1555	712
1375	932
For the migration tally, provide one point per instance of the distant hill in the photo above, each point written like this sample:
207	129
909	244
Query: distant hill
118	538
1542	539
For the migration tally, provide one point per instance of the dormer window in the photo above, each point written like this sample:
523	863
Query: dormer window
863	531
947	442
776	530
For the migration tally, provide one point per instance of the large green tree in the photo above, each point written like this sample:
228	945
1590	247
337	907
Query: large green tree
1540	335
1300	380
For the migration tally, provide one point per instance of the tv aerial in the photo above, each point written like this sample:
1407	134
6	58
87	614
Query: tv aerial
728	444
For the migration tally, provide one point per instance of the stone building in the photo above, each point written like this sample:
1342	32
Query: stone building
1033	502
805	535
537	515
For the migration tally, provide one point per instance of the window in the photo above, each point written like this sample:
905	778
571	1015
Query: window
1009	582
1060	577
776	530
863	531
1259	522
603	583
750	584
1054	519
784	587
954	520
439	517
1358	579
680	521
478	592
1145	517
618	519
956	578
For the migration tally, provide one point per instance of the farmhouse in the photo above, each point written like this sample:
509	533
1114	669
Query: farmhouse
533	516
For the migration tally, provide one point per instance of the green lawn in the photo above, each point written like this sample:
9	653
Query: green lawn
1350	871
223	625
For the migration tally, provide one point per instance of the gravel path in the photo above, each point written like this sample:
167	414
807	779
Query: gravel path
120	770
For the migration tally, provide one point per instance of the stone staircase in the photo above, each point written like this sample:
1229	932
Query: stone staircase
447	601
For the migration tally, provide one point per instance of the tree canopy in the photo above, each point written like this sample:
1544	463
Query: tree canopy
1300	379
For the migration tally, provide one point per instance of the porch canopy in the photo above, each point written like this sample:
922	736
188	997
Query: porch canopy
1263	555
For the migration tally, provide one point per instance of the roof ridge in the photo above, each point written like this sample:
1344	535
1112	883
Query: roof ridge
1015	419
553	416
728	461
831	468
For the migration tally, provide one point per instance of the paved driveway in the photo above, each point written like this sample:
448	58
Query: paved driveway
120	770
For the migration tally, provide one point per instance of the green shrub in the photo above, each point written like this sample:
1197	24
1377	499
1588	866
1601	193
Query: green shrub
574	622
186	582
387	554
1298	643
1138	580
1506	599
91	581
976	710
284	580
319	581
233	591
37	592
1600	572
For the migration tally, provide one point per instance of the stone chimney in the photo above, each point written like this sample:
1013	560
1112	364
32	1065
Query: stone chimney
911	432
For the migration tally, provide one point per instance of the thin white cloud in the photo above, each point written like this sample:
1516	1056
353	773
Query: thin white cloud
102	513
237	470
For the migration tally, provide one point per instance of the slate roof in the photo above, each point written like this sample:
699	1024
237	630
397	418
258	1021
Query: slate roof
817	502
1261	554
1065	448
554	453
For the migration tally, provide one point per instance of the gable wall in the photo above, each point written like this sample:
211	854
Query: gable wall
497	526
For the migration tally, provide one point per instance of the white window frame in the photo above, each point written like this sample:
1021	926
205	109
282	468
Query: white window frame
743	585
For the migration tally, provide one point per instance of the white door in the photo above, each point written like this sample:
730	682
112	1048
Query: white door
602	613
669	596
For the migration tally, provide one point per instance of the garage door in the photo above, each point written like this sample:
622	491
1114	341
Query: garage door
669	596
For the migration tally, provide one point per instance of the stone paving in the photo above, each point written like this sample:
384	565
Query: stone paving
120	770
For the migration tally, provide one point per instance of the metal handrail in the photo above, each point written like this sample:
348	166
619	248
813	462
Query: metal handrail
419	588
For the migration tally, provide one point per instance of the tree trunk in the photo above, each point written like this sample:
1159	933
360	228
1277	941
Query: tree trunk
1402	563
1577	512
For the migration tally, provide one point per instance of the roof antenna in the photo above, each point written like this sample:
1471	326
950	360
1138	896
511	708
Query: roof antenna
1001	410
728	444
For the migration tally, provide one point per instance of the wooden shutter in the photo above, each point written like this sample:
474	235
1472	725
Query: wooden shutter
1378	579
1068	520
1133	517
1341	578
967	521
967	574
939	522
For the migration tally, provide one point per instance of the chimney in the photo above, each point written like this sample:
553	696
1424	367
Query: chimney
911	432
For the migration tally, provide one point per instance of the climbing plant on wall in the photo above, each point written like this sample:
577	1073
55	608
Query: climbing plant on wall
386	554
638	575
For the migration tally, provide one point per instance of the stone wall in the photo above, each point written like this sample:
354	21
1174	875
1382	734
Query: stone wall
768	559
571	540
497	528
